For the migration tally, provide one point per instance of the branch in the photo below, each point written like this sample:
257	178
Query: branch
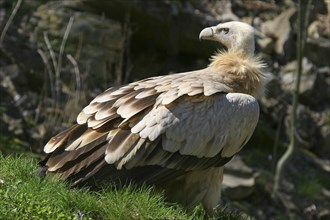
60	56
50	49
49	70
302	27
77	75
10	20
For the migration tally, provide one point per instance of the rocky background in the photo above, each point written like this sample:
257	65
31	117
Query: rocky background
57	55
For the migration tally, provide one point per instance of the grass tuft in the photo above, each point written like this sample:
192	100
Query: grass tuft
24	195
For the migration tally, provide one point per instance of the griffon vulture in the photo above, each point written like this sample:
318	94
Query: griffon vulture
175	131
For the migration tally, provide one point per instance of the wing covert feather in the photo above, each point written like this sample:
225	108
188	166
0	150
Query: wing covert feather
230	119
220	122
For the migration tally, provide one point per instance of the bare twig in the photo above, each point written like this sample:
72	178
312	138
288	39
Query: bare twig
302	26
77	93
277	138
51	51
10	20
51	120
49	70
79	47
77	75
59	64
53	64
60	56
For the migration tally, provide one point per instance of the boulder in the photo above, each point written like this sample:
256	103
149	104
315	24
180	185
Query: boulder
280	29
314	83
238	179
96	46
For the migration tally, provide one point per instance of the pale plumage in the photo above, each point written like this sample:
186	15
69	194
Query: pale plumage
168	129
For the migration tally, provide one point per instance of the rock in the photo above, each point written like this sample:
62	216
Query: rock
236	165
323	214
14	125
238	179
311	211
318	40
320	28
325	192
222	11
236	187
288	73
312	128
314	84
287	201
266	44
318	50
280	29
322	164
250	8
307	131
7	74
11	120
325	140
95	45
315	88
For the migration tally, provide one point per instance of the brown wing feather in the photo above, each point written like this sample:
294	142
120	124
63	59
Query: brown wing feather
61	156
57	141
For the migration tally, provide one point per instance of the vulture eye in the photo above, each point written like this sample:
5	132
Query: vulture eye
225	30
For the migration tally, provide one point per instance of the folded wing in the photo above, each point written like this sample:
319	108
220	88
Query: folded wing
153	130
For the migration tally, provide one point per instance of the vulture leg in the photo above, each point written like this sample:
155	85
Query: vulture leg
195	186
212	197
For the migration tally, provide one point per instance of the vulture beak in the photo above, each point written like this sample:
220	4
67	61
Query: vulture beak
207	34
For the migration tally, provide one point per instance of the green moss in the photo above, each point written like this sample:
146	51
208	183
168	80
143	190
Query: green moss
310	188
310	182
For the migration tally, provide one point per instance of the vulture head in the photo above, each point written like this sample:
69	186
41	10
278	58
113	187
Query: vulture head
235	36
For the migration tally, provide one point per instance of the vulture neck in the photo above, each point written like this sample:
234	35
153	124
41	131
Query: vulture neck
240	71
